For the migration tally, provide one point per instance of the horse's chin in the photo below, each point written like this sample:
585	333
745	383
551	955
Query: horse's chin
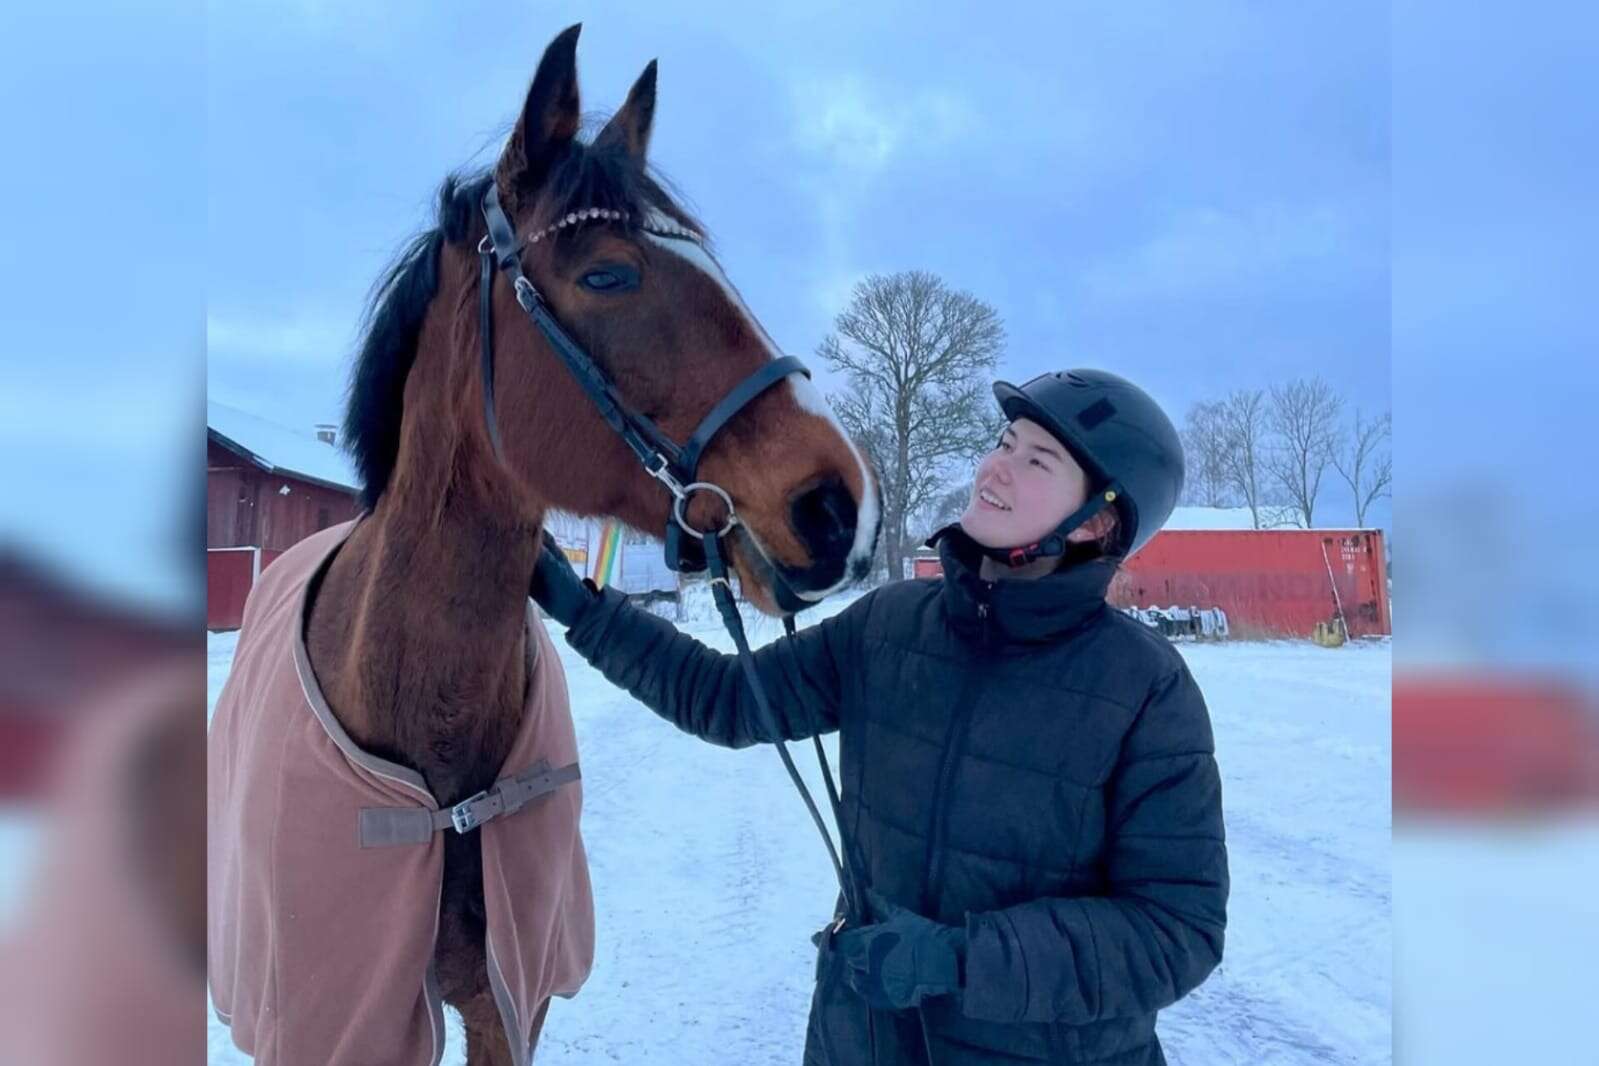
757	574
761	579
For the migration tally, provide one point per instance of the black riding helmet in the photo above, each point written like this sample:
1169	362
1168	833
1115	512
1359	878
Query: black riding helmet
1122	439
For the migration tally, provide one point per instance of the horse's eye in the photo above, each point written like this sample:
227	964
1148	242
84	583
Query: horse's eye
608	279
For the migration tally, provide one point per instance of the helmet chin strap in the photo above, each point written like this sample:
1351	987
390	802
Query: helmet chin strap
1056	543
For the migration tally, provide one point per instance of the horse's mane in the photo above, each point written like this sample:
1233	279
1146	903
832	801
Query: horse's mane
583	177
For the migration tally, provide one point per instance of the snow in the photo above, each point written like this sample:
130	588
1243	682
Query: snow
1499	928
708	876
290	450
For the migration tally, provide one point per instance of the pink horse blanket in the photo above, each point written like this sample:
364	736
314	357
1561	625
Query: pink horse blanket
326	863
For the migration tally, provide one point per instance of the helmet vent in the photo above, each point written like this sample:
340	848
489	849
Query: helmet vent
1095	413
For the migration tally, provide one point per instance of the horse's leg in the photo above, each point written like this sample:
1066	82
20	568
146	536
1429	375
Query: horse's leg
462	969
485	1035
460	959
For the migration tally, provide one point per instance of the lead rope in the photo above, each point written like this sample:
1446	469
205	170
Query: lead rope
721	591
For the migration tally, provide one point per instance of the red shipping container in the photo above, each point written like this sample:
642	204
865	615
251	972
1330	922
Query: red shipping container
1270	582
1484	743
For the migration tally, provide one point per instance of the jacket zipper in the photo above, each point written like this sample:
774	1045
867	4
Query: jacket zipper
954	743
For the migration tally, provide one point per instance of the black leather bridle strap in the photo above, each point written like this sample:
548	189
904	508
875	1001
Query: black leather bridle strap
645	439
485	327
734	402
642	436
502	237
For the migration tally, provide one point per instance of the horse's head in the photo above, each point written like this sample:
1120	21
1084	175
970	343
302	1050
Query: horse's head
632	281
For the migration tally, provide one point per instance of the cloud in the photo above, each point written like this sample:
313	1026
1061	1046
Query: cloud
860	127
1206	251
110	408
307	339
852	132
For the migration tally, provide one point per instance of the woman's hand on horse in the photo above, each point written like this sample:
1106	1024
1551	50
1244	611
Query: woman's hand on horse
558	589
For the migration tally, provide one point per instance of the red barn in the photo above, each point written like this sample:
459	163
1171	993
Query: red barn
60	646
267	486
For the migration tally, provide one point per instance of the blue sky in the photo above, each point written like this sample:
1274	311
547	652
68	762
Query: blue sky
1196	201
102	295
1496	344
1199	198
200	197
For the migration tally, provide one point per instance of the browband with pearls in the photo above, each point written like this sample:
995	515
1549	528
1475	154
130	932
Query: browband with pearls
659	223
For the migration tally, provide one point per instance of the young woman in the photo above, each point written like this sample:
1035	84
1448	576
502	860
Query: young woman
1028	782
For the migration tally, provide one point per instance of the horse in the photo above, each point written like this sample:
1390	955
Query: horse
417	630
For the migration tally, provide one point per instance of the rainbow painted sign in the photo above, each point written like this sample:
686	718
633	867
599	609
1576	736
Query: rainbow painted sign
605	558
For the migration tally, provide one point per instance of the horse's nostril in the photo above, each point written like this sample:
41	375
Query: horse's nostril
824	517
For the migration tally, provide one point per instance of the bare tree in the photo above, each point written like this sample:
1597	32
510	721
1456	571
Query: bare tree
918	356
1243	428
1364	462
1303	416
1205	449
944	508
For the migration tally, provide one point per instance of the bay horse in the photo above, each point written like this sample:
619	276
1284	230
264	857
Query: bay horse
416	632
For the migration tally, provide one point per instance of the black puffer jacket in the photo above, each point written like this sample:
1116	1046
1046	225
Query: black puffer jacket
1016	757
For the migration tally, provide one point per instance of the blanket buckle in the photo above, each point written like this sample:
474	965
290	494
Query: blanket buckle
464	815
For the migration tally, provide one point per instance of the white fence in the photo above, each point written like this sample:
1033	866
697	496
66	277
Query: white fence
640	565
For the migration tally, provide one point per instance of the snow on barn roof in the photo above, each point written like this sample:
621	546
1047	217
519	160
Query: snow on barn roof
277	447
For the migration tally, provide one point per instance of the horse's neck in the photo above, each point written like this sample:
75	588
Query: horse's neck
417	635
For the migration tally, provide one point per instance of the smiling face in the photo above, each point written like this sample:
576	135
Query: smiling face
1026	487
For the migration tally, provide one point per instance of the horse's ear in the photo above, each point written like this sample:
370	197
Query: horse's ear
549	118
629	128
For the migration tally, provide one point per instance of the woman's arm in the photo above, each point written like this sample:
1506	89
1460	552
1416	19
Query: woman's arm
1158	930
703	691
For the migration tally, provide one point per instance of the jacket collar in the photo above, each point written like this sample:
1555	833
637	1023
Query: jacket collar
1034	611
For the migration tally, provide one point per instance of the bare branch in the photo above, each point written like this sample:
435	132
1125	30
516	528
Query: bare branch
1205	447
1243	430
917	355
1303	418
1364	463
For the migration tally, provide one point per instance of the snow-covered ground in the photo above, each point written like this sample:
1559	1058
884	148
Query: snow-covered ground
708	878
1498	927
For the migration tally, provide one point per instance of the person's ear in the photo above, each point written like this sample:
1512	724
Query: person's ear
1095	528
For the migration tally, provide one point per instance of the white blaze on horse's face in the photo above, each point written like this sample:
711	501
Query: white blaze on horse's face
805	394
860	553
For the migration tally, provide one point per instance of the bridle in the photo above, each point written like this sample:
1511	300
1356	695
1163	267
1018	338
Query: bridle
688	550
674	466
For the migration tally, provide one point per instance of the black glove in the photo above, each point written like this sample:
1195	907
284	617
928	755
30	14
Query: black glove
557	587
902	958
